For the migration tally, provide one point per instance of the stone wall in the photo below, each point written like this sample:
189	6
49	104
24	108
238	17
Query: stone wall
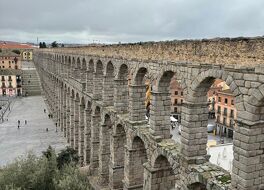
118	162
213	51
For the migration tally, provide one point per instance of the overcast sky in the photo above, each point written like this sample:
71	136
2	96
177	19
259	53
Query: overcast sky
85	21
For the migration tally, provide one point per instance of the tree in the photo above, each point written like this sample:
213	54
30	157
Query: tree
16	51
54	44
44	45
40	45
41	173
66	156
62	45
0	50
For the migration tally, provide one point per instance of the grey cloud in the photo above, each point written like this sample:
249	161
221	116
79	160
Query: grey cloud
83	21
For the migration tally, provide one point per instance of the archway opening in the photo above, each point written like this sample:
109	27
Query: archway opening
138	157
209	116
81	130
83	71
98	81
76	121
108	85
104	150
89	78
95	142
121	90
87	132
138	106
163	176
197	186
117	147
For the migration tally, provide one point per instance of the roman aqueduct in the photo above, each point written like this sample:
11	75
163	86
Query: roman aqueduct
97	93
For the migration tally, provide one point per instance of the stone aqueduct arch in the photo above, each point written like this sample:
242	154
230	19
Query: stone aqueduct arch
122	149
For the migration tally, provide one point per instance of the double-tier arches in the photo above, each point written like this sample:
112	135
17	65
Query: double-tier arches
108	85
121	90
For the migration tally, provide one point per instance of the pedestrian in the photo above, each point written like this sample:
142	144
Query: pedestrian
44	110
25	122
49	116
47	129
56	124
18	126
18	122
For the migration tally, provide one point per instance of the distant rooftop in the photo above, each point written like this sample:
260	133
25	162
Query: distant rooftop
12	45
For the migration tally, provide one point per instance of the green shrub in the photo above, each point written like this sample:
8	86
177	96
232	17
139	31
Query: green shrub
43	173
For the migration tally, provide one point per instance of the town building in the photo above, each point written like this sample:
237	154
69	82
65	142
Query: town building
9	60
25	50
226	112
176	99
10	85
222	111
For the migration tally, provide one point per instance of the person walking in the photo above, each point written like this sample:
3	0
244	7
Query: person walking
25	122
44	110
18	122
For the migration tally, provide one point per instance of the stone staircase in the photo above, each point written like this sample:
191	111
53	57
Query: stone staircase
31	81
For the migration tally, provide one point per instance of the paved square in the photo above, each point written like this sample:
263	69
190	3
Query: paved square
32	136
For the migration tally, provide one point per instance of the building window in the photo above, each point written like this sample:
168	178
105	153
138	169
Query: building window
219	99
224	121
176	92
9	62
181	101
175	101
3	67
9	66
181	93
232	113
219	109
225	111
218	119
3	78
3	62
226	100
175	110
231	124
232	102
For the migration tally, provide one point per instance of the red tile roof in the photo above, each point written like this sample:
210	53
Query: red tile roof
6	45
